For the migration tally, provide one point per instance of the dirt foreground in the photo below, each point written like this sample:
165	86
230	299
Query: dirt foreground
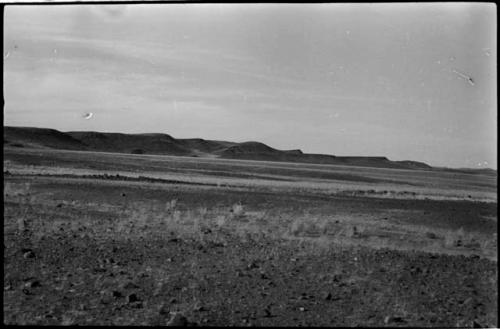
100	251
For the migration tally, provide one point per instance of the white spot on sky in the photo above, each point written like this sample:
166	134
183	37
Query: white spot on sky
6	55
87	116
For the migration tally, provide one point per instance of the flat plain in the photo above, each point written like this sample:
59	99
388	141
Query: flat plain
118	239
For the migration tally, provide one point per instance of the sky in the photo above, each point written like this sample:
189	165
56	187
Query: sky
407	81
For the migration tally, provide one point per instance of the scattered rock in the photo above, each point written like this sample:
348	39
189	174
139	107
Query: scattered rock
177	320
106	297
130	285
117	294
132	298
302	309
394	319
200	308
137	305
33	284
327	296
431	235
164	310
28	253
59	205
123	194
252	265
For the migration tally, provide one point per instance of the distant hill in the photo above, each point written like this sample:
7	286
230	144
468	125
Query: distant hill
41	138
163	144
127	143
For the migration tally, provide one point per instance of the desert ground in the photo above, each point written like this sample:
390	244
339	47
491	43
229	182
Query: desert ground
118	239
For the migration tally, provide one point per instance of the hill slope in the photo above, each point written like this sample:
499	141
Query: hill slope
163	144
40	138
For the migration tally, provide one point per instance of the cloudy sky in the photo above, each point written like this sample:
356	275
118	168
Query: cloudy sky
342	79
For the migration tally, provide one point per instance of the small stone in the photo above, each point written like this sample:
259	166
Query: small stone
431	235
177	320
200	308
106	297
327	296
393	319
132	298
164	310
117	294
130	285
59	205
302	309
252	265
33	284
29	254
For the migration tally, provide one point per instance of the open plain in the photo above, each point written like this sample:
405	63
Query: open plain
121	239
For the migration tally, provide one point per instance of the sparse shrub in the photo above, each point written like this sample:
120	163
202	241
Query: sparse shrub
137	151
454	238
297	227
220	220
237	210
350	231
170	205
449	239
203	211
176	216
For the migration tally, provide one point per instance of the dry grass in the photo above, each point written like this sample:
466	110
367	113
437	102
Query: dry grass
137	219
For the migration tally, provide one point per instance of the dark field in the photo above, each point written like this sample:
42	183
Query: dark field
115	239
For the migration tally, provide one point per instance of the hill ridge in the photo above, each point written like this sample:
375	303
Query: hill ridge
164	144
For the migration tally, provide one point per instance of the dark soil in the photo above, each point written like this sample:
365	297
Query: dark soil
85	281
221	276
